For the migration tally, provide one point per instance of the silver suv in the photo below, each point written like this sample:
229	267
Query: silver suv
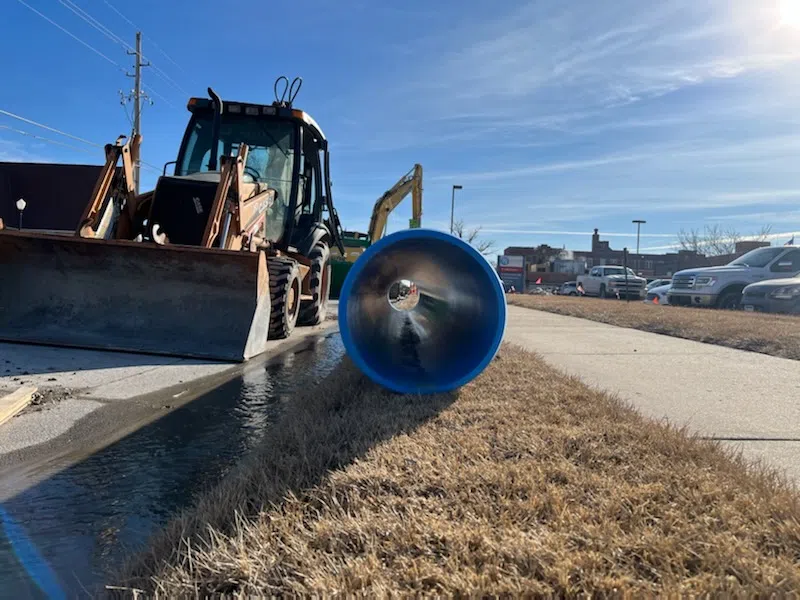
722	287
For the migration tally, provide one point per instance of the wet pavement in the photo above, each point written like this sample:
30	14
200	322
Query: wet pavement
60	537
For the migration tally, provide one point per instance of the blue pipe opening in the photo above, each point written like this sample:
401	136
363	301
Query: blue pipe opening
447	324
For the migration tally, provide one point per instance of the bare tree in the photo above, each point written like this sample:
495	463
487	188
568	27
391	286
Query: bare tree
485	247
715	241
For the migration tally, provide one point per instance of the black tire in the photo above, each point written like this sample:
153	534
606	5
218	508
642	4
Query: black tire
573	294
731	300
314	311
602	293
284	287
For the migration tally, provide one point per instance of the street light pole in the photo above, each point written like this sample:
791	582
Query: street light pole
453	205
21	204
639	224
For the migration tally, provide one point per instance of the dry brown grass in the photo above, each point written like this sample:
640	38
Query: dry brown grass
778	335
526	481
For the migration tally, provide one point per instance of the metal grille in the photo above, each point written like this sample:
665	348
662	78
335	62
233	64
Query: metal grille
683	283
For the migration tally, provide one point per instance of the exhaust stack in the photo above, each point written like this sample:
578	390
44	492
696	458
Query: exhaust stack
422	312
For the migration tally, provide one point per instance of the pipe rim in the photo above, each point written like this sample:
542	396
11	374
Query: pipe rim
355	272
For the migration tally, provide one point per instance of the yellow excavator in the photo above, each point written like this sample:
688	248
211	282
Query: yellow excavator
355	243
230	251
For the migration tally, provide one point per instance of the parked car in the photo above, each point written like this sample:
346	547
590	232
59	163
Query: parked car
610	282
722	287
773	296
658	283
658	293
570	288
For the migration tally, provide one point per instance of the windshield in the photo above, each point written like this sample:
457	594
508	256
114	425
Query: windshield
760	257
270	159
619	271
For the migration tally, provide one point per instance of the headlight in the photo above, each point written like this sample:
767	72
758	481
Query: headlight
705	281
788	292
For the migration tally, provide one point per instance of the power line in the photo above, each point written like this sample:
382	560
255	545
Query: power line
93	49
150	167
157	95
126	19
44	139
48	140
94	22
72	35
117	39
167	78
152	42
19	118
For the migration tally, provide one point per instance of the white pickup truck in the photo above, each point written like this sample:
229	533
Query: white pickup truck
610	282
722	287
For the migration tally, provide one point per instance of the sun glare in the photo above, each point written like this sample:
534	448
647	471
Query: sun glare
789	12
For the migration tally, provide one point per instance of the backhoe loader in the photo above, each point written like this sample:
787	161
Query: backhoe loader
355	243
231	250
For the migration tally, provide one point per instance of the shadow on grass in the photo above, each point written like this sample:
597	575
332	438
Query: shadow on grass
325	428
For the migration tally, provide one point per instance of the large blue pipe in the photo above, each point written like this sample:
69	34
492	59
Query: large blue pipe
422	312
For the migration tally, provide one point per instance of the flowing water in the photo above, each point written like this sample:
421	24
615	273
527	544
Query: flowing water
60	537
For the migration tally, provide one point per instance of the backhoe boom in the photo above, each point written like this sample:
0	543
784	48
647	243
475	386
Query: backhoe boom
411	183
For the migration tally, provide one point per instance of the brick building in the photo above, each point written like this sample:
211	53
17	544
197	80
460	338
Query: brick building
570	263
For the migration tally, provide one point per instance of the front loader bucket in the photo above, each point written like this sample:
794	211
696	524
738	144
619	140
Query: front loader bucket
120	295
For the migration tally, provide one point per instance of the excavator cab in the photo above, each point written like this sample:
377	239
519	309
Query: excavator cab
231	250
356	243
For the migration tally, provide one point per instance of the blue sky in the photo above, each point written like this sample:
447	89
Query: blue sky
556	117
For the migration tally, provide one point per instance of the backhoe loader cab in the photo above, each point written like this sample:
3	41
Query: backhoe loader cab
230	251
287	153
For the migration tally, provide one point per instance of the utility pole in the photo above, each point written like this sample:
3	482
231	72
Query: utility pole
136	97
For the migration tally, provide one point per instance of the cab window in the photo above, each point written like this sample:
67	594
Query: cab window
788	263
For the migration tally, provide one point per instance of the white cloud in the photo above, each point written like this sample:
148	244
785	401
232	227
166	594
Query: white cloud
784	216
578	55
582	110
692	158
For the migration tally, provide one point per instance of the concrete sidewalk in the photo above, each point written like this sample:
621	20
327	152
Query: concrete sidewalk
750	401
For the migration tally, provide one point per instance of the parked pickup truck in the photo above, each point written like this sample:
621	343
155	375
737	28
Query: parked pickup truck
610	282
722	287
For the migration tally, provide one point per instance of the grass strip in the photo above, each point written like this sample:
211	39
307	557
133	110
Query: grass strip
777	335
524	481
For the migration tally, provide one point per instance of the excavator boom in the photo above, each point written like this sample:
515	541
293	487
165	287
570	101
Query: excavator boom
410	183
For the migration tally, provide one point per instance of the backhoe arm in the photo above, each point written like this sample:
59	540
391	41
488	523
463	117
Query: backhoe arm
92	223
416	199
411	182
